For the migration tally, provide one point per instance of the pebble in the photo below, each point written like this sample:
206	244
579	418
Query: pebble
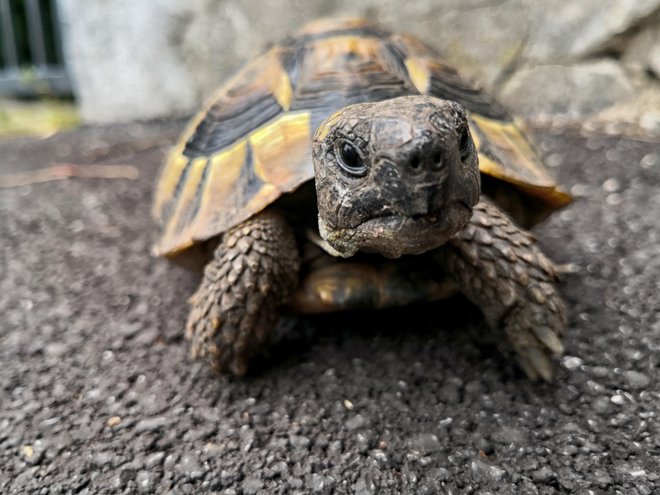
636	379
601	405
113	421
252	485
247	439
334	448
295	483
356	422
439	474
317	483
190	466
299	441
32	455
364	486
321	484
611	185
510	435
571	362
449	394
569	450
426	443
601	478
105	458
146	481
123	477
154	460
482	471
650	160
544	474
151	424
600	371
169	462
379	455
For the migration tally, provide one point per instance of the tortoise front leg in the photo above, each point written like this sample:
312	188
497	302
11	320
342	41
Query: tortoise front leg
253	272
499	267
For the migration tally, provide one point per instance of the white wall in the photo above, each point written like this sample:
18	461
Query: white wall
137	59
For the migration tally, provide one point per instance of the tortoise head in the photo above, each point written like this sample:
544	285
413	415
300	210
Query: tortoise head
395	177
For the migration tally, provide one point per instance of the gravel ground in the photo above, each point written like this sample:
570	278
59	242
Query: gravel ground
98	394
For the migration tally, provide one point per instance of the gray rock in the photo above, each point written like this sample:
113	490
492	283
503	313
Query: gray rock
543	475
295	483
364	485
482	471
299	441
356	422
190	466
146	481
320	484
644	49
636	379
602	478
570	91
252	485
169	462
425	443
105	459
123	477
152	424
481	43
566	30
154	460
602	405
510	435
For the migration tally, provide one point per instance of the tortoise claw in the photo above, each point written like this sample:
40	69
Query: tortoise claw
540	363
549	338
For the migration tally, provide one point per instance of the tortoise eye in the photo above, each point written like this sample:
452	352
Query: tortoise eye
350	158
464	143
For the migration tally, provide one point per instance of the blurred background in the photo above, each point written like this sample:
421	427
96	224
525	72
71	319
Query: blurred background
121	60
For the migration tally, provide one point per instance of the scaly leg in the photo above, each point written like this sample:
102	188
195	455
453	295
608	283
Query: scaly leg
253	272
499	267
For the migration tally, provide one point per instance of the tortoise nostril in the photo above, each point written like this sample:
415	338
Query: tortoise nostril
437	158
415	162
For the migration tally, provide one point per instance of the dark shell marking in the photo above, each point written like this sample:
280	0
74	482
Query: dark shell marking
252	142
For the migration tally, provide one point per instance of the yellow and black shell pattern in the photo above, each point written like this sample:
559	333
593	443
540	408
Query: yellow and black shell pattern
252	141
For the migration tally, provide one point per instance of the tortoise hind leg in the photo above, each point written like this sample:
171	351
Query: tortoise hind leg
252	273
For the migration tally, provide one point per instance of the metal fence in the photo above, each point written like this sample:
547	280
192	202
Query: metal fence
31	60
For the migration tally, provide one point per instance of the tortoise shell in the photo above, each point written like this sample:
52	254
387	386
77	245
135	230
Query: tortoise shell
252	142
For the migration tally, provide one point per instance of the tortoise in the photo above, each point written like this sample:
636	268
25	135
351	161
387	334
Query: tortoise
350	167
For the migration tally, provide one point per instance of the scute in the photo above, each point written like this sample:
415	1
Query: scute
229	135
252	141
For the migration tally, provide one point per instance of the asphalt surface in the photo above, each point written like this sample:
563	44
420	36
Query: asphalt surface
98	394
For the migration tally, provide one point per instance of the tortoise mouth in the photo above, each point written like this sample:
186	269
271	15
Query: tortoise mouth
395	235
417	220
402	225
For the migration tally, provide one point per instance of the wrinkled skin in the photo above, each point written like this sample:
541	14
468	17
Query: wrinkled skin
397	177
413	184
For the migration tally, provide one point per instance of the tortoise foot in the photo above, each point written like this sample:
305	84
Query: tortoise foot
253	272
